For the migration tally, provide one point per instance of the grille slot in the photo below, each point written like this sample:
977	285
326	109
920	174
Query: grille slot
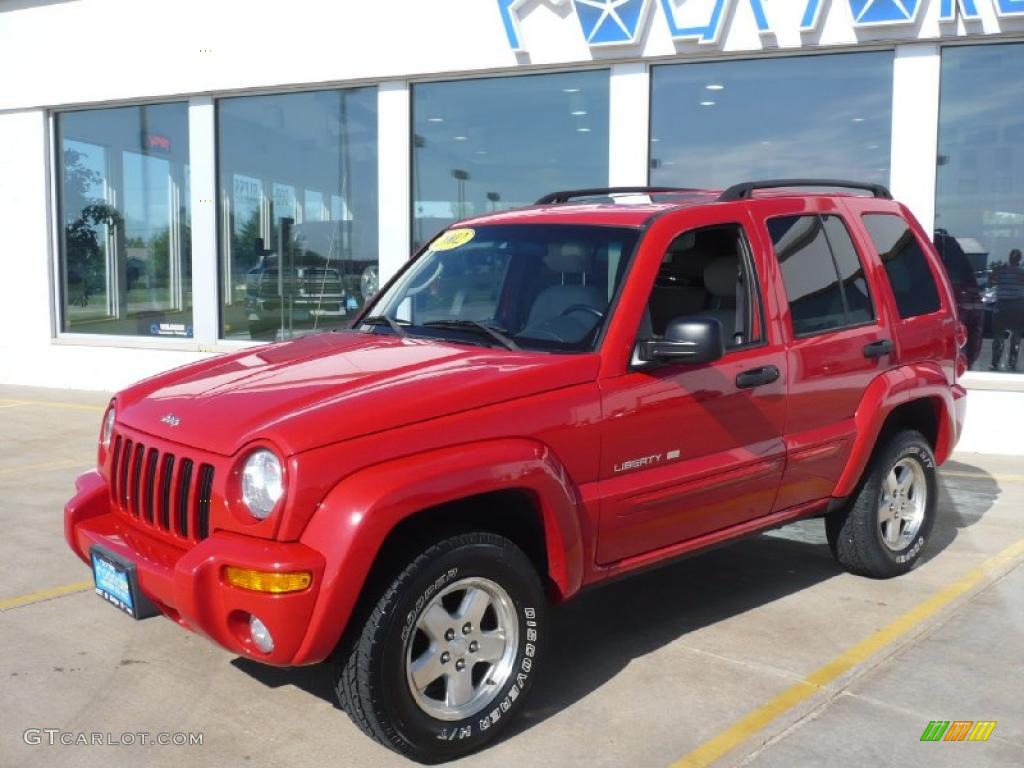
184	486
114	468
150	487
171	495
136	476
165	491
122	481
203	501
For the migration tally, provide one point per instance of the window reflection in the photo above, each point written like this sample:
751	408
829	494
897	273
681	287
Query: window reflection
298	197
496	143
979	206
125	240
715	124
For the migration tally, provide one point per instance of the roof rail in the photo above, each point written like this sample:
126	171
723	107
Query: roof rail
566	195
746	189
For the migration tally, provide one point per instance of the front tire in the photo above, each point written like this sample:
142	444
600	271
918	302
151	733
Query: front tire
448	654
883	529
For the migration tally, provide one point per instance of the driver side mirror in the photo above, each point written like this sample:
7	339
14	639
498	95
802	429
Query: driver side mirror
687	340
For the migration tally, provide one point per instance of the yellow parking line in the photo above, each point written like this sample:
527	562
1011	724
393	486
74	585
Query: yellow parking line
53	404
44	594
750	724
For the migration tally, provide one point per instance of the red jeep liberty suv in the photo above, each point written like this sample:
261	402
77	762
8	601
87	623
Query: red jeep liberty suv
541	400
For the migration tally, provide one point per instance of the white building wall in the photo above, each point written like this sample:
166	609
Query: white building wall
28	354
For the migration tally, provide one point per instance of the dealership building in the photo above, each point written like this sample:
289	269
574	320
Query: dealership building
182	180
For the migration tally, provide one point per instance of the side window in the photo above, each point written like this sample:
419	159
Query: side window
707	273
912	280
855	284
824	278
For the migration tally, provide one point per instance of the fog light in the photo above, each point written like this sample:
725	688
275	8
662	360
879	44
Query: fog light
260	635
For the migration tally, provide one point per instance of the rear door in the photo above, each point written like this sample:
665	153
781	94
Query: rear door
917	290
837	340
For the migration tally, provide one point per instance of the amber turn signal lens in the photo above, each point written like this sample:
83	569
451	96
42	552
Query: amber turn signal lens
264	581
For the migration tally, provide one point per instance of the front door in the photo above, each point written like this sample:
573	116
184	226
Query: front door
692	449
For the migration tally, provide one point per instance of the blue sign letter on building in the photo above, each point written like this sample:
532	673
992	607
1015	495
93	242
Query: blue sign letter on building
511	30
1010	7
812	12
610	22
709	33
869	12
947	10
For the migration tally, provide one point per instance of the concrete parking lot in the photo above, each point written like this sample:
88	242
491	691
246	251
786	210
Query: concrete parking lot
761	653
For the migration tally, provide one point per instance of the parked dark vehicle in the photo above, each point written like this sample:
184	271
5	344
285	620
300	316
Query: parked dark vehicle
302	292
969	304
321	278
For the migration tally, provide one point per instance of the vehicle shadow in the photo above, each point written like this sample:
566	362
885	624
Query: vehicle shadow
966	493
597	634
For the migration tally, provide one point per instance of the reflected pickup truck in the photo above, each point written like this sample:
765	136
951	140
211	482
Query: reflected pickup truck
541	400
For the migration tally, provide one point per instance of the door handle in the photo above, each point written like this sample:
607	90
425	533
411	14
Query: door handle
878	348
757	377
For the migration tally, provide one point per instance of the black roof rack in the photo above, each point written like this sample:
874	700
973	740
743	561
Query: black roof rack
566	195
746	189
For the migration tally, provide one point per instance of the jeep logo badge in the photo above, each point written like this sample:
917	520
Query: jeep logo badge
171	420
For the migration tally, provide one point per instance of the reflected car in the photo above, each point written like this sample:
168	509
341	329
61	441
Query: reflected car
296	295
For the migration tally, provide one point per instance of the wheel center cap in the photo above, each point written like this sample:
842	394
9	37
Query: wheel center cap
459	646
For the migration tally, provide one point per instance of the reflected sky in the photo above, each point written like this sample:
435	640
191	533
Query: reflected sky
495	143
309	156
717	123
980	194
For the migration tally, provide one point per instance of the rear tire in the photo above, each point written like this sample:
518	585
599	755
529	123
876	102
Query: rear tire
448	654
883	529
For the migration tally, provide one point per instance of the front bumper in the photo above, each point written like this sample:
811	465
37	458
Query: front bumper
186	585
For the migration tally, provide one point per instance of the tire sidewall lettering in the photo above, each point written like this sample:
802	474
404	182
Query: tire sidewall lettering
927	461
410	619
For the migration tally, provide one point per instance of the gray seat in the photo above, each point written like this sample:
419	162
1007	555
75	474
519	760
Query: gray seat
571	260
722	281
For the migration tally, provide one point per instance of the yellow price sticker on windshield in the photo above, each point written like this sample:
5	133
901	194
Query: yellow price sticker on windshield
451	239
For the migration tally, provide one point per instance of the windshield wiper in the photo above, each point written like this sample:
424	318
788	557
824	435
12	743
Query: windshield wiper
385	320
473	325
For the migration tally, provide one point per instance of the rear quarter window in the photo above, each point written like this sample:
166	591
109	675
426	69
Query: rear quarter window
911	278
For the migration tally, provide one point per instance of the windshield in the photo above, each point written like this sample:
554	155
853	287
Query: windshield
529	286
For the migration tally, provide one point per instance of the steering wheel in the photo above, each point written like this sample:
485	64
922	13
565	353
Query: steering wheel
582	308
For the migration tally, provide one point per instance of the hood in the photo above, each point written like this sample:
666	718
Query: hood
336	386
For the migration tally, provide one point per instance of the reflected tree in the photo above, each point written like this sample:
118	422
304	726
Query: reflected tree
84	249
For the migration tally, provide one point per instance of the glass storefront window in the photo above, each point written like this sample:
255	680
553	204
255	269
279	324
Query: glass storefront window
495	143
125	241
979	205
298	198
718	123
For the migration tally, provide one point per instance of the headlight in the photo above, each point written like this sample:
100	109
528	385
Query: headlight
108	427
262	483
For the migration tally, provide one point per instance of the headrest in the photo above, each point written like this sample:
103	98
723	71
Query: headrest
567	258
721	276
